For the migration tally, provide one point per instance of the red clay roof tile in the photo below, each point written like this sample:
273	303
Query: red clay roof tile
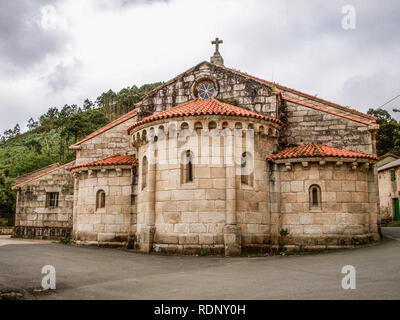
318	150
115	159
204	107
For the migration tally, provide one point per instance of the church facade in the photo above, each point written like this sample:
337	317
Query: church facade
216	161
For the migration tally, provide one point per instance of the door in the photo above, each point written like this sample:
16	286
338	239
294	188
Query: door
396	210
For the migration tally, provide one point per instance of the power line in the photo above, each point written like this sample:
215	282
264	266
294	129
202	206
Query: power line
389	101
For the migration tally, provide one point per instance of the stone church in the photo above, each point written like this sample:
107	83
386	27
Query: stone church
214	161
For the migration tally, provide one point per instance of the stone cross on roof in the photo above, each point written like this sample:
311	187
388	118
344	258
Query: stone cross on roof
217	42
217	58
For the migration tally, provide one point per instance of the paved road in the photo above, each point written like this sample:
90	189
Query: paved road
98	273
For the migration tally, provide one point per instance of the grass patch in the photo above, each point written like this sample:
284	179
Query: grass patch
4	222
66	241
393	224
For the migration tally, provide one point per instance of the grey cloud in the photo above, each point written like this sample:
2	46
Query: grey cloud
307	36
64	75
22	41
373	91
302	41
118	4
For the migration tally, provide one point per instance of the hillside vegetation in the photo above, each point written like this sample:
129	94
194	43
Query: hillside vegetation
48	138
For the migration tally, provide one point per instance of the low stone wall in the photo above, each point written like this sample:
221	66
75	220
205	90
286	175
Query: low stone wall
6	230
116	221
388	191
347	210
32	210
51	233
189	249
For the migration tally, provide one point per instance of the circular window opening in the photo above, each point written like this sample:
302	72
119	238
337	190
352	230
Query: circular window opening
205	89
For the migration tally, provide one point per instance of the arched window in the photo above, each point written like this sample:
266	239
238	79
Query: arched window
212	125
246	169
144	172
100	199
187	172
315	197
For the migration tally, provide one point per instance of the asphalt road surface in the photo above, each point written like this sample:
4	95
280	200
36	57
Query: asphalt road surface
99	273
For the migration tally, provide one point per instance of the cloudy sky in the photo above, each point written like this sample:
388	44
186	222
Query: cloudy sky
54	52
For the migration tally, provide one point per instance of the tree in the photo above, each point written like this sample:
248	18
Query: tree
32	124
17	130
87	105
81	124
48	121
48	138
388	135
7	195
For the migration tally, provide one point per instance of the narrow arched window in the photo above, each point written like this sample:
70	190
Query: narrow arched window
246	172
187	168
190	169
315	197
144	172
243	175
100	199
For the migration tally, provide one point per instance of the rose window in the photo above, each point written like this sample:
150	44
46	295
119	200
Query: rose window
206	90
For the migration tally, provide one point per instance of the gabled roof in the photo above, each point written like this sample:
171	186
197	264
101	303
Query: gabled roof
179	76
108	126
318	150
309	105
390	165
52	168
306	95
270	84
115	159
204	107
35	173
386	155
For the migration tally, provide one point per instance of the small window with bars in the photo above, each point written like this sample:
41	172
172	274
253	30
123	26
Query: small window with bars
393	175
52	199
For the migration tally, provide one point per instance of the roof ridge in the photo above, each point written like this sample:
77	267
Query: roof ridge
130	114
41	175
174	79
315	149
28	173
99	161
199	107
333	104
309	105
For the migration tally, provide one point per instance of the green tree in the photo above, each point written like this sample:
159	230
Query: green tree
7	195
32	124
388	135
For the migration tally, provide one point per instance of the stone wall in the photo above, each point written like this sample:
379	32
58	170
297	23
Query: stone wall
189	217
327	105
348	210
253	202
6	230
388	191
305	125
33	219
248	93
110	142
116	222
